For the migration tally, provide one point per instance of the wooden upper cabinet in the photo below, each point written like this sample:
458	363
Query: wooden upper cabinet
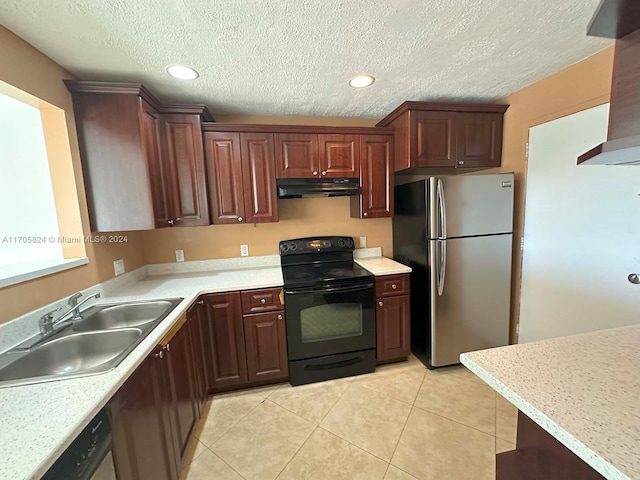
259	177
184	160
433	142
224	168
339	155
297	155
446	135
161	195
225	340
376	178
479	140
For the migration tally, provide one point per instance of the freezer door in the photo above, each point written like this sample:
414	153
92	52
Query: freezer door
472	205
469	296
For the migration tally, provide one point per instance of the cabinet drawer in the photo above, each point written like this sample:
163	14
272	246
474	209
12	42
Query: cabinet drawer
264	300
391	285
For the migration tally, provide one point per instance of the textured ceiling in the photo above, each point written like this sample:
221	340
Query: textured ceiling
294	57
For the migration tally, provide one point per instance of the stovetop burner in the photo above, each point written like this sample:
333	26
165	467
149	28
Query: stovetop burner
305	275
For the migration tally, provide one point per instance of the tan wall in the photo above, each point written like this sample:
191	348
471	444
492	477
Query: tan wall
581	86
298	217
27	69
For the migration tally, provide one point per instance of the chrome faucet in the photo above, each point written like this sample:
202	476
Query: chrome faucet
47	323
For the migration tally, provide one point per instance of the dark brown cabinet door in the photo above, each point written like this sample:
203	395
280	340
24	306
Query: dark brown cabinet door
393	328
259	177
297	155
266	344
479	140
158	172
376	178
224	170
139	413
184	159
339	155
197	329
433	139
184	406
225	340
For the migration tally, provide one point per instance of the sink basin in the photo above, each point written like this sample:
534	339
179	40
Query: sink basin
96	344
124	316
79	352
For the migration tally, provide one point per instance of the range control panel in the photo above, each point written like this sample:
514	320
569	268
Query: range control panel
316	245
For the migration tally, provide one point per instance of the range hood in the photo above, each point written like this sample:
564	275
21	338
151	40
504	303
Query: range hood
317	187
620	19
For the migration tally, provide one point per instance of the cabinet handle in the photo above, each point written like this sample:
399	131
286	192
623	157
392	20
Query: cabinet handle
315	172
239	219
170	222
394	286
263	301
381	304
279	317
160	354
324	173
365	214
461	162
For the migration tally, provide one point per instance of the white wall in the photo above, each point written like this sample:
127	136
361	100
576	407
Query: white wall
582	233
26	195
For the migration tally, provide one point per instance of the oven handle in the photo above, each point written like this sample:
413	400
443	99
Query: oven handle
330	289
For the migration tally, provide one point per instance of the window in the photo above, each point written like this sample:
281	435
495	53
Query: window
31	241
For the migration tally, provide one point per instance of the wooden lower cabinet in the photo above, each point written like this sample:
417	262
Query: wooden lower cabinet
199	328
140	423
266	346
183	408
393	328
225	340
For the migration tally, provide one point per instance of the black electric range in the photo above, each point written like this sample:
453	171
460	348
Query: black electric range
330	310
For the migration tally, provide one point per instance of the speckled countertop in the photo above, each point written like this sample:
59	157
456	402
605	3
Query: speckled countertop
582	389
381	266
38	422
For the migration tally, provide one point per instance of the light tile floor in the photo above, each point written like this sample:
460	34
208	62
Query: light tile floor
402	422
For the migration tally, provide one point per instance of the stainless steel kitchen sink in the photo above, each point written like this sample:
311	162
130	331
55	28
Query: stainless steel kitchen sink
123	316
97	343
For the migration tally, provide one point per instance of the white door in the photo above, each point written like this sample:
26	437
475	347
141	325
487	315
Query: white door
581	235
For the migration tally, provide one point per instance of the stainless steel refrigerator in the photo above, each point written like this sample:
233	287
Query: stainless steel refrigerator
456	232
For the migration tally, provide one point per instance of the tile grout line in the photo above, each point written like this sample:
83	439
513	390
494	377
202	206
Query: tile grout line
217	456
297	451
452	420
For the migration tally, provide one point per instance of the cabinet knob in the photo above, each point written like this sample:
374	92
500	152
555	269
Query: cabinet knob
315	172
200	302
381	304
394	286
365	214
240	219
279	317
166	347
324	173
170	222
461	162
263	301
160	354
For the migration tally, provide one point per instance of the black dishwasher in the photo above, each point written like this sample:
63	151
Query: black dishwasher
89	456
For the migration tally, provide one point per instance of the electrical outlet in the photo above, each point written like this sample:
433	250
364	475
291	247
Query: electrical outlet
179	255
363	242
118	267
244	250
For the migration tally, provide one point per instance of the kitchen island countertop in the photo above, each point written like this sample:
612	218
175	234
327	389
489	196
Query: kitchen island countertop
583	389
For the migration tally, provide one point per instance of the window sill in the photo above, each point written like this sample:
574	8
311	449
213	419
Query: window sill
24	271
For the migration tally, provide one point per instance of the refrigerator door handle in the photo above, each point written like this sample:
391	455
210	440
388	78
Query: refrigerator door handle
442	244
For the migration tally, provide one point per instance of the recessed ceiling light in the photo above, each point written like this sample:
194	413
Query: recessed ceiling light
182	72
361	81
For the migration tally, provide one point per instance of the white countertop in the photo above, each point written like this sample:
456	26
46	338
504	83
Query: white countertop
38	422
582	389
381	266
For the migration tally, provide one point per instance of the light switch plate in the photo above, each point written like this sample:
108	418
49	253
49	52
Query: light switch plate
244	250
363	242
118	267
179	255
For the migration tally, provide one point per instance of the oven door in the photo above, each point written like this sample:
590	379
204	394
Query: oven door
330	319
